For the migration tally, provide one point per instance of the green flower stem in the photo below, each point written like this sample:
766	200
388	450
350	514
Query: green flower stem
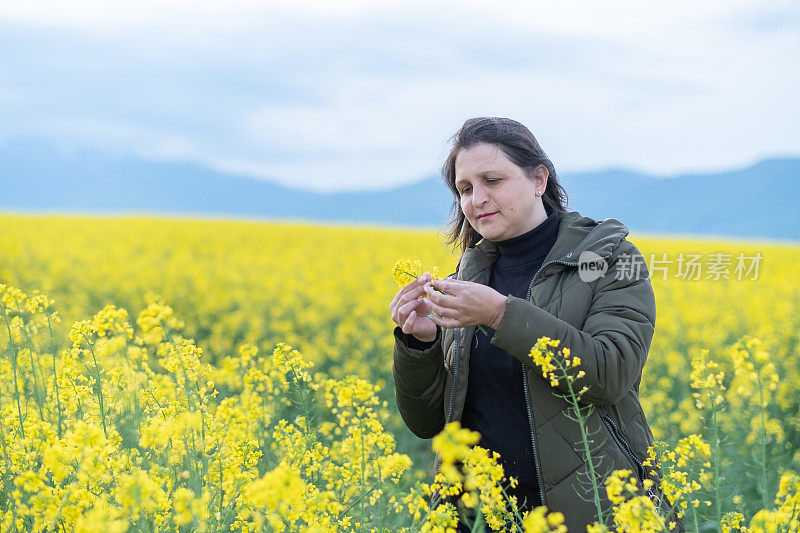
763	410
479	524
694	517
358	500
584	438
715	431
14	369
380	501
190	404
573	399
363	474
99	386
514	508
8	487
55	377
37	394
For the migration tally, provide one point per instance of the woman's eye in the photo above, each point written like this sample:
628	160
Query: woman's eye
465	190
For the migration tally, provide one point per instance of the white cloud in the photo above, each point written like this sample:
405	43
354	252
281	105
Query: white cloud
365	94
100	16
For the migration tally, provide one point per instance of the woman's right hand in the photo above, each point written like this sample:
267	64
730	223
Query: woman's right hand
410	313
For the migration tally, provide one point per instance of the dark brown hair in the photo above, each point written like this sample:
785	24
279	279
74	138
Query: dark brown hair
519	145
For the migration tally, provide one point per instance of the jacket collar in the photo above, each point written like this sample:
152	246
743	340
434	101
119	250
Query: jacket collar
576	234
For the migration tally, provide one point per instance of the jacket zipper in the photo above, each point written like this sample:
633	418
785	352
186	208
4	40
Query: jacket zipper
533	438
556	261
623	444
455	377
525	387
616	434
455	372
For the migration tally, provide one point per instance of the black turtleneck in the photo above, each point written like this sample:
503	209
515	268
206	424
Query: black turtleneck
495	403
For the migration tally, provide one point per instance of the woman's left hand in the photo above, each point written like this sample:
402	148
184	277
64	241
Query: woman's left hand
464	303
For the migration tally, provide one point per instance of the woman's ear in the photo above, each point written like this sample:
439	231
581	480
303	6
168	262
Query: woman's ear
541	174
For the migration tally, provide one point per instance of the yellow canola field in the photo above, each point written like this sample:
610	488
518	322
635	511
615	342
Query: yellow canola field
185	373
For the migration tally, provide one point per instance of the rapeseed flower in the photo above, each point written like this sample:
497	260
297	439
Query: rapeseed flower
61	465
407	270
539	520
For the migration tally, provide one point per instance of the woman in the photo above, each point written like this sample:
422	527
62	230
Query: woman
520	278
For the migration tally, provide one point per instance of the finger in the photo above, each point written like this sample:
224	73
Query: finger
416	283
403	290
404	311
412	296
424	278
446	300
393	303
424	307
408	326
448	323
449	286
444	312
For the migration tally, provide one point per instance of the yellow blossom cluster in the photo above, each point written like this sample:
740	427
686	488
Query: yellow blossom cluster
786	515
130	432
407	270
240	288
471	486
706	380
684	470
557	366
755	382
733	522
632	512
540	521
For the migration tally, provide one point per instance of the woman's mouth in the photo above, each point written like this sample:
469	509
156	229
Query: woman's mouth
486	216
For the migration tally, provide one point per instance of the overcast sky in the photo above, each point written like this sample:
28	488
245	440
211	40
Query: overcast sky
337	94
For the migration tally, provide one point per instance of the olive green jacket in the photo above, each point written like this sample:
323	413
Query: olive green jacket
607	322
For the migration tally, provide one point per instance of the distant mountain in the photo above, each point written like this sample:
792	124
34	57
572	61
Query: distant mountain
34	176
761	200
758	201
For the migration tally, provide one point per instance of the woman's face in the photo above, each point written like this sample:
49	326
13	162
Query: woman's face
497	198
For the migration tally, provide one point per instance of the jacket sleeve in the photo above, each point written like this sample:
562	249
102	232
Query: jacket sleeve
615	338
419	383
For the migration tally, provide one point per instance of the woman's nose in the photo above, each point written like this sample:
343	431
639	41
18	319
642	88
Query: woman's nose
479	196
